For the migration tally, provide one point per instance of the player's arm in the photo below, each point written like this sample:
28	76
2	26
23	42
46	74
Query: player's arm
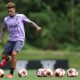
34	25
25	19
2	31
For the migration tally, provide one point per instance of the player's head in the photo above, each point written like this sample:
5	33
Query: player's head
11	8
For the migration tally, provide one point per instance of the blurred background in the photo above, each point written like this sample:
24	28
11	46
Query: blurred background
60	34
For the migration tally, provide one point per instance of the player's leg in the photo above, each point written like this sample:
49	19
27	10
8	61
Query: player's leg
5	57
13	64
17	48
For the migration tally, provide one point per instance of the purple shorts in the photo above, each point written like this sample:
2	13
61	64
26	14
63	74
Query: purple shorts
13	46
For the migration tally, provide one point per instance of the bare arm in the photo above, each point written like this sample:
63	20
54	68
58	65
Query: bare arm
34	25
2	31
25	19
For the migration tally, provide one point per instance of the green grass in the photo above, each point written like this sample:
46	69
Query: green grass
33	54
32	76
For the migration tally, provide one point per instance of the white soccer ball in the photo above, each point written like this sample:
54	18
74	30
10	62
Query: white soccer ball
72	72
40	72
48	72
22	73
59	72
1	73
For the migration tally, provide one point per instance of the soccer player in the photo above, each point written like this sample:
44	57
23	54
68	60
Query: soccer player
14	23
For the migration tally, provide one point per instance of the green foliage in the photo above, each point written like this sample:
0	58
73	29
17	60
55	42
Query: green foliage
6	1
59	19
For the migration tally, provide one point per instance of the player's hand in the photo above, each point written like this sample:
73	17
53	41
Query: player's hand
38	29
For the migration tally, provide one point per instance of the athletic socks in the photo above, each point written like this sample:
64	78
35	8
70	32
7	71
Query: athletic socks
12	71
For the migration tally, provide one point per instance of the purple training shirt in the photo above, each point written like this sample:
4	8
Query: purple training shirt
15	26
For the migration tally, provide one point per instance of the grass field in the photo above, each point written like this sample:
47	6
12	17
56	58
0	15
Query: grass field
32	76
31	54
35	54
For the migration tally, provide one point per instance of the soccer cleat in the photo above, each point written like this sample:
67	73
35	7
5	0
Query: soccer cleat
10	76
3	63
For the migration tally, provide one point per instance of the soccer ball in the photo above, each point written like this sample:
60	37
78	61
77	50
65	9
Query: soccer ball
44	72
1	73
40	72
72	72
59	72
22	73
48	72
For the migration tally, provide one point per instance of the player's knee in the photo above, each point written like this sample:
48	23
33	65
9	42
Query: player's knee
14	53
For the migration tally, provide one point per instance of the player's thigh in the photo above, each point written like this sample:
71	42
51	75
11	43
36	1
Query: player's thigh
18	46
8	48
